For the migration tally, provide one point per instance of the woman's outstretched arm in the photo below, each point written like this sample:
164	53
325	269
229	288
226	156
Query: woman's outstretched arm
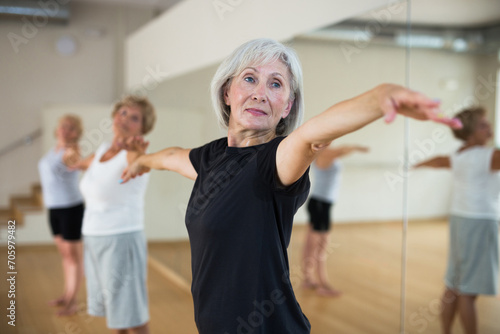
327	156
297	151
437	162
175	159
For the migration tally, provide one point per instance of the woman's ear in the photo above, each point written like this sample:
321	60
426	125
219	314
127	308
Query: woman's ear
226	96
286	112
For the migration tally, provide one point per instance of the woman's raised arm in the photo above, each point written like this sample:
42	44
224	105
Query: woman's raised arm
437	162
174	159
297	151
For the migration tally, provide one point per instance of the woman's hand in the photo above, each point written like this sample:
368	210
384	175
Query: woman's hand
134	169
135	144
172	158
399	100
363	149
72	157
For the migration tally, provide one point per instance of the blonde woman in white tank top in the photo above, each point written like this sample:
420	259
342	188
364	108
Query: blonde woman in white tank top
113	222
473	252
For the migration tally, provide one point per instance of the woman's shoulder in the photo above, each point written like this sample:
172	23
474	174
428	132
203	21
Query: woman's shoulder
214	145
475	151
209	150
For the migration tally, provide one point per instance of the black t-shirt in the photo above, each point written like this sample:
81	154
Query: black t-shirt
239	222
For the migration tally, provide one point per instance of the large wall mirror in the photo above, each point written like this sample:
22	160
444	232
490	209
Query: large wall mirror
389	246
395	269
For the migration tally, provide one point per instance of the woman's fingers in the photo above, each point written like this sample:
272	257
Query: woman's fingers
132	171
454	123
414	105
135	144
125	176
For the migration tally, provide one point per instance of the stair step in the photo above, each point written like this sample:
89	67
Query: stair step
24	202
37	194
20	204
5	216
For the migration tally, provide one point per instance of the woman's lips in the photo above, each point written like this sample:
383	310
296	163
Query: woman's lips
256	112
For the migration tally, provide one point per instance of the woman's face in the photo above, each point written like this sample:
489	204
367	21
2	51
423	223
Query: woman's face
259	97
67	131
127	121
482	132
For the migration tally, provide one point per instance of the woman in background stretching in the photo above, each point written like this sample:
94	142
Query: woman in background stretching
473	252
65	204
324	192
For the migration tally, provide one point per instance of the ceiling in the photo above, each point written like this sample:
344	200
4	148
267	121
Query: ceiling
159	4
451	13
423	12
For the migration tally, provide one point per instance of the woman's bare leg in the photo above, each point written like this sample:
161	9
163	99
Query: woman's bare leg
468	314
73	267
324	288
119	331
309	259
60	300
143	329
449	303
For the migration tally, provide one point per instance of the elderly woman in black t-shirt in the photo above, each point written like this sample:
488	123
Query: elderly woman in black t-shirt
250	184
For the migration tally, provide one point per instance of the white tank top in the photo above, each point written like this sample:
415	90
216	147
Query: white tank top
476	188
326	182
111	207
59	183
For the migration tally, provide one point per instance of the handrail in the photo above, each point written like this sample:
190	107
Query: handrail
26	140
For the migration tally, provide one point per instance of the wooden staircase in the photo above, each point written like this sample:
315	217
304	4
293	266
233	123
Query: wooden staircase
19	204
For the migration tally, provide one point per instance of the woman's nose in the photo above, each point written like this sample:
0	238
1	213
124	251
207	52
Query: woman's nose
259	93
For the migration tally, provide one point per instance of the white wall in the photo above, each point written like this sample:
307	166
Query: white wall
198	33
37	75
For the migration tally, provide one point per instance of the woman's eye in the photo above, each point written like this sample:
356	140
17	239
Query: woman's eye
123	112
249	79
276	84
135	119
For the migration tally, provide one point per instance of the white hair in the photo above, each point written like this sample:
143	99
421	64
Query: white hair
254	53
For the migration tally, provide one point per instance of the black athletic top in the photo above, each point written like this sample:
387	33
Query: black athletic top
240	221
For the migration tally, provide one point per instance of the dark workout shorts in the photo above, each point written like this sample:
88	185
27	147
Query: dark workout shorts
67	222
319	214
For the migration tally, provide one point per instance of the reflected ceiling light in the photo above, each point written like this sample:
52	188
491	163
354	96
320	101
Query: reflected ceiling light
342	34
420	41
66	45
459	45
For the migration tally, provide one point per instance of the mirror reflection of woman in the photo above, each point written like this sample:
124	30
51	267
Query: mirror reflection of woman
115	251
324	192
64	202
473	250
249	184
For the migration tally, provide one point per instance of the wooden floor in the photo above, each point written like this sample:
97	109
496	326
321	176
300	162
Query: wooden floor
364	261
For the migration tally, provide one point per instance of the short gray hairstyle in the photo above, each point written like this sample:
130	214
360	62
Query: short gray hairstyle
254	53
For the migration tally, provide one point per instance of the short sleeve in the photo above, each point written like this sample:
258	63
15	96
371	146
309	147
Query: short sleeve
195	157
267	168
202	156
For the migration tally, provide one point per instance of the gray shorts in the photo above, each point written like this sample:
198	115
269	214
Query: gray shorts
473	256
116	271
